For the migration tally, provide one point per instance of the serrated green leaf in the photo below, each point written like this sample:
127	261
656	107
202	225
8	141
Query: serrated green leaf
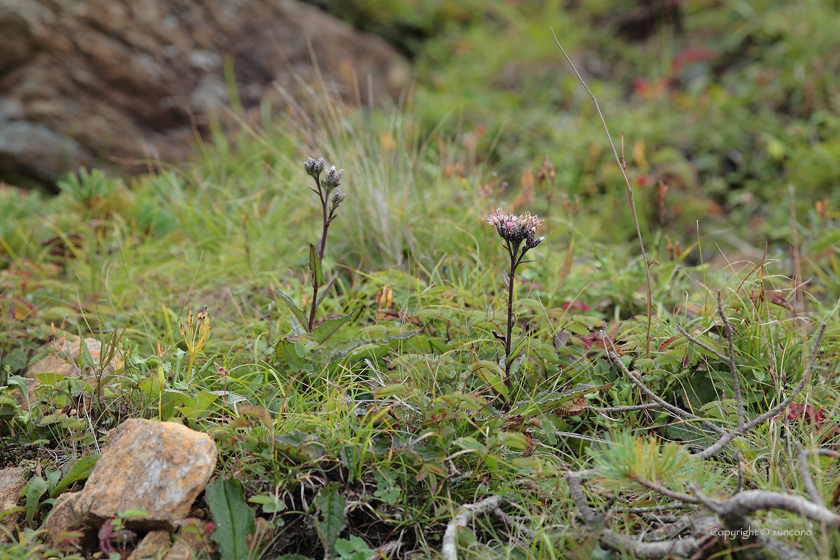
234	518
299	315
330	326
331	505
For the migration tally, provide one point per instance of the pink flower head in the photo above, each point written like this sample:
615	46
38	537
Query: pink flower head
516	229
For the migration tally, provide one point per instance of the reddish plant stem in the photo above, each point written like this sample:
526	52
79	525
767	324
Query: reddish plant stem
513	263
322	247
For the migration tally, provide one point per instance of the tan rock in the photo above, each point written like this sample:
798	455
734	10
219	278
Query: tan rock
186	547
155	545
133	79
12	481
66	361
64	516
157	466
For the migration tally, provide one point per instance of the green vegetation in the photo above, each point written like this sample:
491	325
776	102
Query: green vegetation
373	421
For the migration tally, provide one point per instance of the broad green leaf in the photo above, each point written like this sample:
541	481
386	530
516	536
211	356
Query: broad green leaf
20	382
329	327
270	503
49	379
128	514
514	440
260	414
299	315
464	400
392	389
331	505
299	447
234	519
80	470
492	375
36	488
354	548
315	266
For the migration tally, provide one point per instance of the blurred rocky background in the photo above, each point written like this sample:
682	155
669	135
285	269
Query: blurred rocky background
106	82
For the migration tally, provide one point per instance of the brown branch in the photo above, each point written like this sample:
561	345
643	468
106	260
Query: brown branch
686	547
629	193
449	550
669	407
716	448
702	345
807	481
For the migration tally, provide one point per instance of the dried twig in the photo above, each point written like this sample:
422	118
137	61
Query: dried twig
702	344
669	407
686	547
810	489
716	448
739	506
733	370
464	515
629	193
513	523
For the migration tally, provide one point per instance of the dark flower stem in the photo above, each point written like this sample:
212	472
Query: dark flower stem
322	247
513	264
515	259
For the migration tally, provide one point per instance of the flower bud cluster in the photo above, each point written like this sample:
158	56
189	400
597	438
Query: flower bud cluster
516	229
314	167
333	178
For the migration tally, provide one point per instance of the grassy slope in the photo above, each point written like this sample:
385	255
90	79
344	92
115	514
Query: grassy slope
232	232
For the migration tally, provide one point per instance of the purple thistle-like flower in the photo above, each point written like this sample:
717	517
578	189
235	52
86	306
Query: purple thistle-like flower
513	228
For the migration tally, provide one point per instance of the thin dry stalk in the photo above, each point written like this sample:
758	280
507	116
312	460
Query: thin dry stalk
684	547
733	370
629	193
702	344
807	481
653	396
718	446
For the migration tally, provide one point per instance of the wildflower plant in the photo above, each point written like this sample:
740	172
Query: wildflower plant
330	196
519	234
195	334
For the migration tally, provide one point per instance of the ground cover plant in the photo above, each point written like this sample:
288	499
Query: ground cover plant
437	395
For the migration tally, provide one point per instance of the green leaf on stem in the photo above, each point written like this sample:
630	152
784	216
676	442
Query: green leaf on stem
315	266
330	326
322	293
299	315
